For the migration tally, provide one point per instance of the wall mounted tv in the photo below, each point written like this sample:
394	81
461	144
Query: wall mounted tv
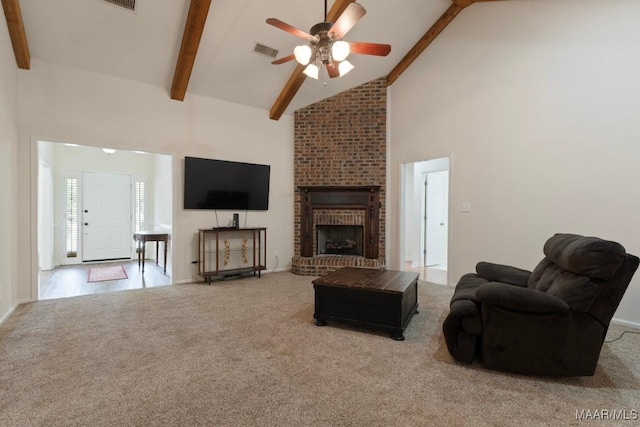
221	184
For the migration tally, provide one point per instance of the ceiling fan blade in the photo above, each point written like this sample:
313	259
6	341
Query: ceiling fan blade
332	69
348	19
377	49
288	28
283	60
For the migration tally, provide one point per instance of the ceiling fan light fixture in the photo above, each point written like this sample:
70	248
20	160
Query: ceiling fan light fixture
312	71
344	67
302	54
340	50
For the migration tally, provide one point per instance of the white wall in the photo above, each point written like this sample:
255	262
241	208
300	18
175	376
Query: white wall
8	184
538	103
63	104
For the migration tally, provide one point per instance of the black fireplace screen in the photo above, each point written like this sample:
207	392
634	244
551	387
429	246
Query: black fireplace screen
339	239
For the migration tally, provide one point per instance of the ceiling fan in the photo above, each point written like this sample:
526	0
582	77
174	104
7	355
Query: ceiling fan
326	46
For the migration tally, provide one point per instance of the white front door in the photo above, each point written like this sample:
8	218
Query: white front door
437	195
106	216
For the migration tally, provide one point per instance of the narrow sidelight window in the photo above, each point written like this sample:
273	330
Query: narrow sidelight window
139	202
71	213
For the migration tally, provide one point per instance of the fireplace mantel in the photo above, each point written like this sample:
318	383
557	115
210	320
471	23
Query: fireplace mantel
334	197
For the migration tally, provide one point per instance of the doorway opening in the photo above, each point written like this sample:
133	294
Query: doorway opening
425	219
90	202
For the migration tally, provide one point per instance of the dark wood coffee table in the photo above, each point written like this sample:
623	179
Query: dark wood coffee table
383	299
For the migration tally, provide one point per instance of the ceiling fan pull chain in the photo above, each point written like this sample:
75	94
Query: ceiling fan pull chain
325	10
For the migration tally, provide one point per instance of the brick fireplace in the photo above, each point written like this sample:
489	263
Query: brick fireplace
339	174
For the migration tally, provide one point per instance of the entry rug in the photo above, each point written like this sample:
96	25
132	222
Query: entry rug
101	274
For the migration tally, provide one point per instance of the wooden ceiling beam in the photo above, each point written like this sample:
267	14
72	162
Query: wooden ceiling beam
456	7
297	76
425	41
464	3
193	28
16	33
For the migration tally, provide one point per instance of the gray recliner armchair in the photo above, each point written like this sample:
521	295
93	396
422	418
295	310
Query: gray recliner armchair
551	321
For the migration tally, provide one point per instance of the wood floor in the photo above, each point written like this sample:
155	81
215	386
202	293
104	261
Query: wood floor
436	274
71	280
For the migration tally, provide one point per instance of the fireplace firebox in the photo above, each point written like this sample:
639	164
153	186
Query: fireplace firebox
339	240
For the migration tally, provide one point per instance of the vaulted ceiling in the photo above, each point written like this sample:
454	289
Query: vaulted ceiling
205	47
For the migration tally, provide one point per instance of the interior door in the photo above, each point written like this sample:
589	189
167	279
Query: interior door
437	202
106	216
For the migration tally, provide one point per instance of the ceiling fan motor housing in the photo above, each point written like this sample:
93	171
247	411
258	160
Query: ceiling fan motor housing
323	40
321	28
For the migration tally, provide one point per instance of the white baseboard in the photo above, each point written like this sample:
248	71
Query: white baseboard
12	309
183	282
9	313
626	323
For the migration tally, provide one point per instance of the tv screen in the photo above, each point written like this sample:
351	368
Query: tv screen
221	184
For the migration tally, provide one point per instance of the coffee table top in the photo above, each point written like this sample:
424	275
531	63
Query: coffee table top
390	281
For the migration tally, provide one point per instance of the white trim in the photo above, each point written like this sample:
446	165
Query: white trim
626	323
9	313
12	309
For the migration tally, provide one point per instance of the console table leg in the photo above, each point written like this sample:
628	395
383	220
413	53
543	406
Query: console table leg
165	257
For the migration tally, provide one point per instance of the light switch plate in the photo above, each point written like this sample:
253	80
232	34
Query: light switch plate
465	207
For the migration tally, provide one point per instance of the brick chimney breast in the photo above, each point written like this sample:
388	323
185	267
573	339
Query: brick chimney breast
341	142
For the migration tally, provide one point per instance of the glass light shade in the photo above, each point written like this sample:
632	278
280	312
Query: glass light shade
312	71
302	54
344	67
109	150
340	50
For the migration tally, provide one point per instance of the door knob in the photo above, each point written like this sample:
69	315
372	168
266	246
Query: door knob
441	224
86	223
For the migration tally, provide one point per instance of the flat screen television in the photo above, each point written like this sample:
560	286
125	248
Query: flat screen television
220	184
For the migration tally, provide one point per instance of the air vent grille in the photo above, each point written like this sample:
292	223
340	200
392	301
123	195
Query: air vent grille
127	4
267	51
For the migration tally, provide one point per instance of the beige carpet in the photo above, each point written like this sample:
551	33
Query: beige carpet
246	353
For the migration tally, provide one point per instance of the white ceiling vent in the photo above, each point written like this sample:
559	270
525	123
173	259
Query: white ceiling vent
263	50
127	4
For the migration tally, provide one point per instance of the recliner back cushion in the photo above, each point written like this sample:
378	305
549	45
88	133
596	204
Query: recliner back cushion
575	268
587	256
576	290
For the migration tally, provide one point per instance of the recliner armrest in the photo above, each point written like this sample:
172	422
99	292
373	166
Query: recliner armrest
503	273
518	298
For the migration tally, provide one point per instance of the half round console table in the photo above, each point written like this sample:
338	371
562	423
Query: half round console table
142	237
